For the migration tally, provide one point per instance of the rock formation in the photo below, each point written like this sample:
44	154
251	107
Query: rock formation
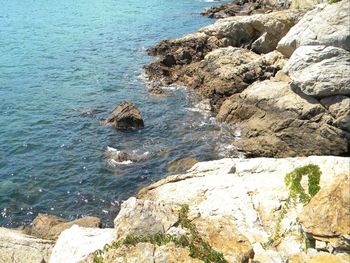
125	117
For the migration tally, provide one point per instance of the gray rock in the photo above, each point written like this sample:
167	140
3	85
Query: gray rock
325	25
143	217
276	121
125	117
320	71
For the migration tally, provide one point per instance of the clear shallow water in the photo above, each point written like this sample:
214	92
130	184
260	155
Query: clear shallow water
63	68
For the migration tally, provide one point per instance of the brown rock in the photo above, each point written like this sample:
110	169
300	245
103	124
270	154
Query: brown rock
157	91
181	165
50	227
125	117
327	216
223	237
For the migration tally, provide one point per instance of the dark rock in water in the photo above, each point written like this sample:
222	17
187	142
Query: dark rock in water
50	226
181	165
157	91
126	117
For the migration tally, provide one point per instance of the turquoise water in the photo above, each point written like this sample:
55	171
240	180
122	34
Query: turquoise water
64	65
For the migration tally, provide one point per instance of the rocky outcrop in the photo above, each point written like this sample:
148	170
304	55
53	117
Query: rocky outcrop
276	121
76	243
252	209
239	8
125	117
227	71
320	71
325	25
20	248
260	32
50	226
339	108
327	217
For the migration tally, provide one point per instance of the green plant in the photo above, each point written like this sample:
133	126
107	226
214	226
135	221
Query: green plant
296	191
333	1
293	181
198	248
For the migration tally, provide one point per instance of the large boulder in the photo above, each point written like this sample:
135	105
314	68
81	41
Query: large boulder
327	216
325	25
125	117
276	121
320	71
50	226
20	248
76	243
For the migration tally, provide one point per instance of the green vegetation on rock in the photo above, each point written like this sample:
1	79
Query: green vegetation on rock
198	248
297	192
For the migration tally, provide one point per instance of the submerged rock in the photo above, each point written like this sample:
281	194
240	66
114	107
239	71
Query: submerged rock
50	227
20	248
320	71
325	25
125	117
181	165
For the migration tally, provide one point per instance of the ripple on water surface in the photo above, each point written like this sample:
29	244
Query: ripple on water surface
63	67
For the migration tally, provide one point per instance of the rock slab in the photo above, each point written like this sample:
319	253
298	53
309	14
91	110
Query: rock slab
125	117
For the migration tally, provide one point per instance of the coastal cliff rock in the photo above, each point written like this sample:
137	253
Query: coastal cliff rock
231	207
50	227
325	25
339	108
20	248
276	121
320	71
76	243
125	117
327	217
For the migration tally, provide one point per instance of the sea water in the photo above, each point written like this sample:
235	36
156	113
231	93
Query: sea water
64	66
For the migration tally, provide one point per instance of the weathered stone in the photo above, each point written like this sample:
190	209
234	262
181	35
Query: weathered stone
181	165
76	243
50	227
143	217
305	4
222	236
339	108
327	216
325	25
276	121
20	248
227	71
125	117
320	71
157	91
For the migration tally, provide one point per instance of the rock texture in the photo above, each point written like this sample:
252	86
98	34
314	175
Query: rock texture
276	121
325	25
181	165
50	227
76	243
327	217
125	117
243	195
227	71
20	248
320	71
143	217
339	108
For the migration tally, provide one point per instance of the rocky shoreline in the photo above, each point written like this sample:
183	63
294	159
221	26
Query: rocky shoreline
278	73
